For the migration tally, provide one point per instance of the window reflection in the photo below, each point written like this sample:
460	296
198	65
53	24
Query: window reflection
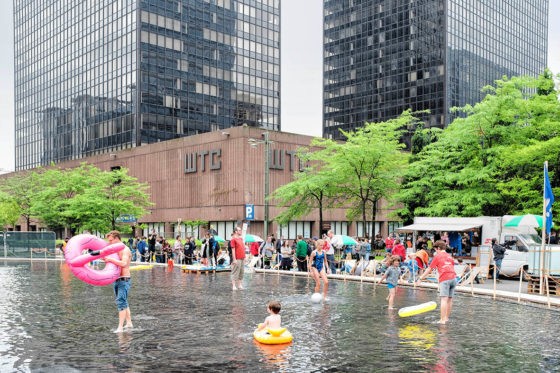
203	65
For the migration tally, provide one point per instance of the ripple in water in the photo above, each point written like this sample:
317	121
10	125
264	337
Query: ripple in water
53	322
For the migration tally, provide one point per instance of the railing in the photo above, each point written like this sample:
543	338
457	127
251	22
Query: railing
32	245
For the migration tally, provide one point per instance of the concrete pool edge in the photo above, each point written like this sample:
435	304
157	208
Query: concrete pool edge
496	294
519	297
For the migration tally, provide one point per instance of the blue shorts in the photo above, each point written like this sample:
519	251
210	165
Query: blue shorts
391	286
121	288
447	288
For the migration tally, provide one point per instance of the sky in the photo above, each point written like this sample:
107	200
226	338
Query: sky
301	70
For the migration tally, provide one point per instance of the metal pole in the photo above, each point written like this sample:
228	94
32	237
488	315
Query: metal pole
5	247
266	182
543	236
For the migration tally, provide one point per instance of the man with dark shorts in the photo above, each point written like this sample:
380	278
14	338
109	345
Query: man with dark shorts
238	259
447	282
152	245
122	284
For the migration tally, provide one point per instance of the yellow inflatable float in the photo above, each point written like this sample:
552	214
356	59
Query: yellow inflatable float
269	336
415	310
141	267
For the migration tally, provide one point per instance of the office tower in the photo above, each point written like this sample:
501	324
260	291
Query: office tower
384	56
98	76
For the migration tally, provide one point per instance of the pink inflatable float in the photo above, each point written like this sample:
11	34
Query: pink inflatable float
85	248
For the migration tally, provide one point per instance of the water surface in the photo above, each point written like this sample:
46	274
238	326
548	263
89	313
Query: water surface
52	322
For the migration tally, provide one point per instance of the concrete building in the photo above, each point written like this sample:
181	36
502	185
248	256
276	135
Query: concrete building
93	77
382	57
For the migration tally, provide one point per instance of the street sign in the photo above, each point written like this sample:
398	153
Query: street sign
126	218
249	212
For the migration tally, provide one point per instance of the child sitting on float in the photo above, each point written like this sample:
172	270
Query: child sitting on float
274	320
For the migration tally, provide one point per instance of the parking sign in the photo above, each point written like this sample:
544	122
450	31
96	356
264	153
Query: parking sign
249	212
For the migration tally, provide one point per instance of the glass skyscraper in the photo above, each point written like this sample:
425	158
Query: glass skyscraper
382	57
96	76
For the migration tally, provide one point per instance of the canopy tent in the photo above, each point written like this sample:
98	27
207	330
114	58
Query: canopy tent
456	228
439	227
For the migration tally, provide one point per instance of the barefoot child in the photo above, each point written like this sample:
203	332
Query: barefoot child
273	321
319	267
392	275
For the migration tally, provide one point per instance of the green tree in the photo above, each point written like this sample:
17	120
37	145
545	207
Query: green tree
52	203
10	211
490	162
368	166
87	198
109	195
310	189
23	189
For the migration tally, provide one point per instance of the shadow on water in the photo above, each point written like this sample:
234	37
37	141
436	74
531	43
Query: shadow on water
52	322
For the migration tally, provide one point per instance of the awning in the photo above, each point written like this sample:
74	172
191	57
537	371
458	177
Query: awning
439	227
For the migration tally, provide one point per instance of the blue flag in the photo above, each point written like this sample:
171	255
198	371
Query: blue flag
548	200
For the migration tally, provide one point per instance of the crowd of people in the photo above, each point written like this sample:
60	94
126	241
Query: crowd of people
278	253
314	255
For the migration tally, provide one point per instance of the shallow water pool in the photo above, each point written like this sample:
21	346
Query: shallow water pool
52	322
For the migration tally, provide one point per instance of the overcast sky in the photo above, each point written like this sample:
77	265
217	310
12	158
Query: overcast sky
301	69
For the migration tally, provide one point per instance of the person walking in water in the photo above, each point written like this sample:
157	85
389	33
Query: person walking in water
122	284
237	260
392	275
320	267
444	264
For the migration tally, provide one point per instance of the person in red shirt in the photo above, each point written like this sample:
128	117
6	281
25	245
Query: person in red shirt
254	249
389	242
443	262
398	249
237	259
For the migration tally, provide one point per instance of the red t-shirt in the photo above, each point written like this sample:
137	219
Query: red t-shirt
444	264
389	243
254	248
238	247
399	250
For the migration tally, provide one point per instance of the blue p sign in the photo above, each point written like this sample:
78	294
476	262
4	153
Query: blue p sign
249	212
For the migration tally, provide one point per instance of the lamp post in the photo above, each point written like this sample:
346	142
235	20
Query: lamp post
266	141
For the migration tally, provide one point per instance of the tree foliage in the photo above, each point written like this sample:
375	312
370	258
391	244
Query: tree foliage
10	210
22	189
110	195
82	198
310	189
354	174
490	162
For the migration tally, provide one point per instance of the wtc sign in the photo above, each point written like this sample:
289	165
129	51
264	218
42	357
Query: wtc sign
249	212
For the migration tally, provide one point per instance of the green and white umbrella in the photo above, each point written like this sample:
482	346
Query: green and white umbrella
340	240
218	238
252	238
528	220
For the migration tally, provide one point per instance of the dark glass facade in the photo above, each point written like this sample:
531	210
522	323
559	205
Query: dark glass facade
98	76
382	57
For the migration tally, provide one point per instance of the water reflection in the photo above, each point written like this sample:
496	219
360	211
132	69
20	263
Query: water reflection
186	322
417	336
275	357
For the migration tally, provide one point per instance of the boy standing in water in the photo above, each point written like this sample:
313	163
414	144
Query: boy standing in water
444	264
122	284
392	275
274	321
